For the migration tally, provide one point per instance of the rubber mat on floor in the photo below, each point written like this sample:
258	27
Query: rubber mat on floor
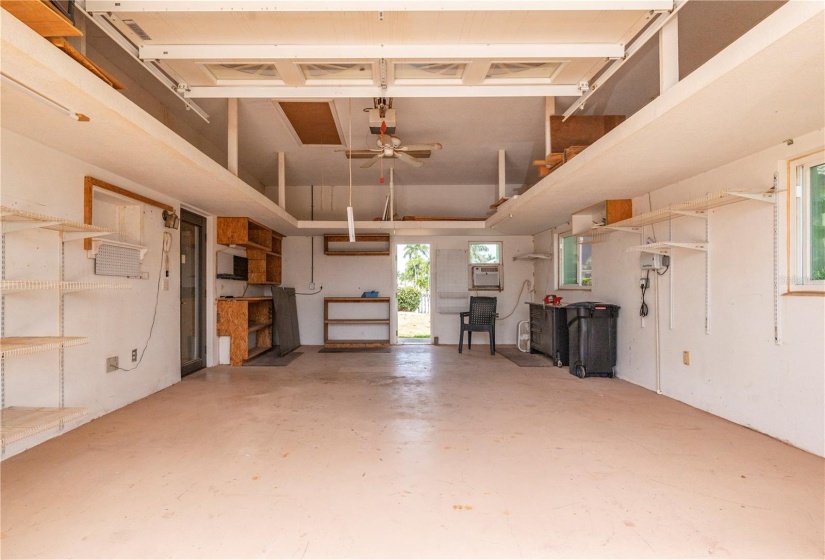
523	359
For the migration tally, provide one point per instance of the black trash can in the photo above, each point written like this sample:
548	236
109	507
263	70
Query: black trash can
592	332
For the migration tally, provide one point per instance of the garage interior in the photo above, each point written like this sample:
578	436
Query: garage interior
189	188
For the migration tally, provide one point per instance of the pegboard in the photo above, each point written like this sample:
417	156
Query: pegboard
112	260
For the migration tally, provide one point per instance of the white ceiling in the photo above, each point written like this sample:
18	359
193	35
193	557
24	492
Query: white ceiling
472	119
770	88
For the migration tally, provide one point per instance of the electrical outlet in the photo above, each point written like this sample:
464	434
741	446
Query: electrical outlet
312	285
686	358
111	364
134	354
644	283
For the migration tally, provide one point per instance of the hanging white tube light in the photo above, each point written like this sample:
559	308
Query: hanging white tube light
43	99
350	217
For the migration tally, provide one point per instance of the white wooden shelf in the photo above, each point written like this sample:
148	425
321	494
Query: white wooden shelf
664	247
695	207
25	345
20	422
15	286
533	257
18	220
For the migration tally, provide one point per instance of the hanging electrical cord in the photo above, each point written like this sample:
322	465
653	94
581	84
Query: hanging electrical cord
523	284
167	245
644	310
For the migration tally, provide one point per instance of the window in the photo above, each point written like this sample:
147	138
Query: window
807	225
574	262
485	253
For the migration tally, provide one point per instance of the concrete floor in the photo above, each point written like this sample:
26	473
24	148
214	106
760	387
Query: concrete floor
418	453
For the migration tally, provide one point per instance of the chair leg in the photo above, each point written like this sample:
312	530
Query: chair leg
470	340
493	341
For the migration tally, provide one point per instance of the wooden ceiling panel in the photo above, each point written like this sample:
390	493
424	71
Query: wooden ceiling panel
312	121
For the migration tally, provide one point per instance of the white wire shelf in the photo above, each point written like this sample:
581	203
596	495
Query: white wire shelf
17	220
664	247
15	286
25	345
19	422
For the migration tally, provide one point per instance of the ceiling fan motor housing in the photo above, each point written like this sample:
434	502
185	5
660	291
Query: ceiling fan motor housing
376	119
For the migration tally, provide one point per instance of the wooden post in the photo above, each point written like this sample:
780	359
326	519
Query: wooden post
549	111
281	180
502	180
232	136
669	55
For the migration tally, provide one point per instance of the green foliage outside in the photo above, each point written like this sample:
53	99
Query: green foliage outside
417	270
408	298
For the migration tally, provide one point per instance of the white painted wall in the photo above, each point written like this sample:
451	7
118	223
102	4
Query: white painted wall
38	179
351	276
737	371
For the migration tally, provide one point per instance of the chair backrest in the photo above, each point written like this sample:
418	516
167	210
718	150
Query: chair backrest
482	310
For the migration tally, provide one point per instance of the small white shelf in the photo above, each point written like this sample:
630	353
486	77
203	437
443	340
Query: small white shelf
19	422
533	257
25	345
664	247
16	286
18	220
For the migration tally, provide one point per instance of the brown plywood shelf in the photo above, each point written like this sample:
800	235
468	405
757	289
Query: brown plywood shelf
263	248
364	245
238	318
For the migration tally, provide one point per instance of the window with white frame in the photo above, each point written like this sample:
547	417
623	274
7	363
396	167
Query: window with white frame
574	261
486	252
807	223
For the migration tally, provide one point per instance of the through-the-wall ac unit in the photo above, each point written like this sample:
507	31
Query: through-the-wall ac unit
486	277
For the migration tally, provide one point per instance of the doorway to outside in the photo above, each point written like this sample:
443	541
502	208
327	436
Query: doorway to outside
412	283
192	292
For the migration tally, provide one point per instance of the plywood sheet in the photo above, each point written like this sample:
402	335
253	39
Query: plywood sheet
312	121
44	20
580	130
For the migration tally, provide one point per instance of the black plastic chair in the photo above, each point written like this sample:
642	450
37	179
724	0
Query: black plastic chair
480	317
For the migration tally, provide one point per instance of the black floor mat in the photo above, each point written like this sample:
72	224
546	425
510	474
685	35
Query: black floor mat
524	359
272	359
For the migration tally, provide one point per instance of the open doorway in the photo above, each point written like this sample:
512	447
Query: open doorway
412	282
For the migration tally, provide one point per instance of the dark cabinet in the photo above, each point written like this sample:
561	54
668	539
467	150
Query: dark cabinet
548	332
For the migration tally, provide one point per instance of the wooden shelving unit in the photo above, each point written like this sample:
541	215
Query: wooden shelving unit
263	248
244	320
21	422
332	320
364	245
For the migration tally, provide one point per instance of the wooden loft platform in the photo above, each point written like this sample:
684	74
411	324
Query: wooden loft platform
41	17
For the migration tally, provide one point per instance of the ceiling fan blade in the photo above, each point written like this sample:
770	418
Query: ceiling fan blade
371	162
419	147
407	158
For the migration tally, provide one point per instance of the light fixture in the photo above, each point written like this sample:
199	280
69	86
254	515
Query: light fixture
43	99
171	219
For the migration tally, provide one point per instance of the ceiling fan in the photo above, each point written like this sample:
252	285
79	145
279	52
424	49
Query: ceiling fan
389	146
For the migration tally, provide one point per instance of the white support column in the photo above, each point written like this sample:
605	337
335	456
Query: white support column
232	136
549	110
281	180
669	55
502	180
